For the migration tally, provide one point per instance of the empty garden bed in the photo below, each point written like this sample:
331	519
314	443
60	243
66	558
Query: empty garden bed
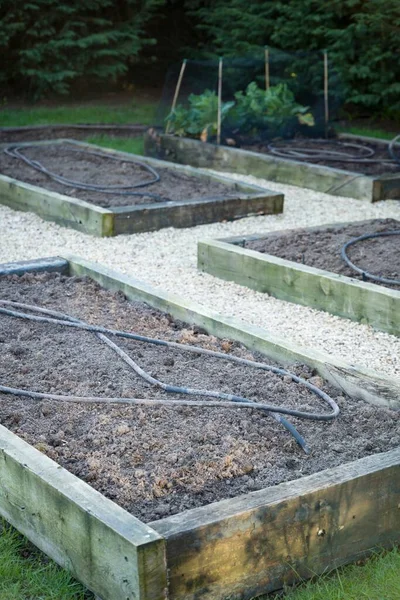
294	162
157	461
106	192
306	266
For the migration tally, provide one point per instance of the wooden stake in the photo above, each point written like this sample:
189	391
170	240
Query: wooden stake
219	101
177	89
266	68
326	92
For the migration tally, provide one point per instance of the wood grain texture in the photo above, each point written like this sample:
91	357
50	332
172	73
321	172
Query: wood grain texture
337	294
241	200
235	160
257	543
106	548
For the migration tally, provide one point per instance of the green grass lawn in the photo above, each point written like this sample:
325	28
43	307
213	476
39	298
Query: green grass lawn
377	579
26	574
139	112
369	132
134	145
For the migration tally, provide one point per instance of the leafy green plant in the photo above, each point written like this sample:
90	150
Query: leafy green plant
273	110
200	119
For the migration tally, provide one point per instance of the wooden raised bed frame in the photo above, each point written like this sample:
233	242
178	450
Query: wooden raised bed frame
315	177
235	548
85	216
340	295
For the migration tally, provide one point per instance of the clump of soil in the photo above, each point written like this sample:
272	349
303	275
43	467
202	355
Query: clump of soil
321	248
157	461
74	163
367	168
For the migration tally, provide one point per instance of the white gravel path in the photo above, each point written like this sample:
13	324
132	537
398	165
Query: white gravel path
167	259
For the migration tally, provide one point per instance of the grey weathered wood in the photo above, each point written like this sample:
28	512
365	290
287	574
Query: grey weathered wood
52	206
236	548
259	542
110	551
235	160
38	265
354	380
240	200
337	294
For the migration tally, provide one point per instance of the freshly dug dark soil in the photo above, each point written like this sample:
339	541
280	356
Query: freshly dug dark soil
321	248
77	164
378	168
156	461
78	132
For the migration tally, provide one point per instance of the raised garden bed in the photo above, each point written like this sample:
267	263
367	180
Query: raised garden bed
183	196
240	546
344	181
305	266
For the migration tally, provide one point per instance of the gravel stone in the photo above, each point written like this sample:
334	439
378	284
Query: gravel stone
168	259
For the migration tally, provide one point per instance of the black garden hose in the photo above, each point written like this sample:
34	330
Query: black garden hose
343	152
365	275
224	400
15	151
395	157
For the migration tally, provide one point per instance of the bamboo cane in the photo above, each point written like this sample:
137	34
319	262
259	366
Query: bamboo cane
219	101
266	50
176	94
326	89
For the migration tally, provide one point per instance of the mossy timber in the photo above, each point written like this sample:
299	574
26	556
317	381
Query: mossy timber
235	548
347	297
242	200
234	160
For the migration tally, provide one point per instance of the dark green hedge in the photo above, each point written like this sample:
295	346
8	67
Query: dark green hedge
47	44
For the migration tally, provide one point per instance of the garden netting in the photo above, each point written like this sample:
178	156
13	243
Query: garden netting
286	99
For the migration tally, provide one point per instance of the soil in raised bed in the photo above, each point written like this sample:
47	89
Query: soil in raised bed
157	461
77	132
73	162
321	248
366	168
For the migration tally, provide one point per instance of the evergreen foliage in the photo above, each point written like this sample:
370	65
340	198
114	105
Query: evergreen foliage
47	44
362	37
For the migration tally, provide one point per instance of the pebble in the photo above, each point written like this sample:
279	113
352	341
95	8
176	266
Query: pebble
168	259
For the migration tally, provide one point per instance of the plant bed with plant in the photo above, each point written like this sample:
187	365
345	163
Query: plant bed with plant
272	122
159	460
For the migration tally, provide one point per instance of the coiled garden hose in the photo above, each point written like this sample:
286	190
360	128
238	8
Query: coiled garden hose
224	400
391	148
355	153
15	151
365	275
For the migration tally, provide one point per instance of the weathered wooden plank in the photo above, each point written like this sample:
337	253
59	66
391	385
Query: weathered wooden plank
189	213
52	206
240	200
235	160
38	265
114	554
257	543
337	294
356	381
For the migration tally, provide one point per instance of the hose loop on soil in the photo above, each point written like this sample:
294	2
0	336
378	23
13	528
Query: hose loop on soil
353	153
15	151
365	275
224	400
391	148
